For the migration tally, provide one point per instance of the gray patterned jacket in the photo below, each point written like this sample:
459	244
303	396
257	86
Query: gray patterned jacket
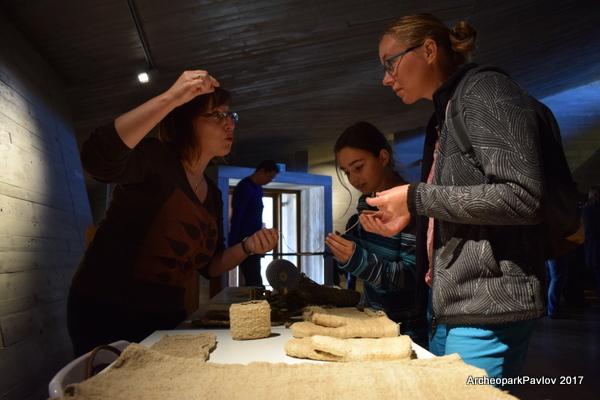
487	268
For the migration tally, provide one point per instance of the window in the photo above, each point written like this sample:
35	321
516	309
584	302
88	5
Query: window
299	206
281	211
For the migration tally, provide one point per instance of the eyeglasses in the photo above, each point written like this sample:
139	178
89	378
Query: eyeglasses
219	116
387	64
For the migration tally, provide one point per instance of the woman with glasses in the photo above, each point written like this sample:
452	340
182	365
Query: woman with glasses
477	239
165	215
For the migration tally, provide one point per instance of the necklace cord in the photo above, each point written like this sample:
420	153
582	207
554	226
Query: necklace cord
319	248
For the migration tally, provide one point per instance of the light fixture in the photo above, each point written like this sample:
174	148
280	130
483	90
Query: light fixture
144	76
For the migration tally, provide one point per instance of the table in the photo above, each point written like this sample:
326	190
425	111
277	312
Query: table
229	351
269	349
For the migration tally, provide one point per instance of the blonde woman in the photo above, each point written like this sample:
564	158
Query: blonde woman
478	231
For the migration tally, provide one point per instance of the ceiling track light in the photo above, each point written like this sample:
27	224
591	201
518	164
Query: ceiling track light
142	77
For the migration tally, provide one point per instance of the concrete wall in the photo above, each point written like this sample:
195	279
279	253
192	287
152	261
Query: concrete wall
44	210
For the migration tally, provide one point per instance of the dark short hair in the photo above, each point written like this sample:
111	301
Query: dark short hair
177	127
268	166
365	136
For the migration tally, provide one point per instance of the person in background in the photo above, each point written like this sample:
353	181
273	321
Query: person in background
386	265
557	271
574	289
246	216
478	230
165	217
577	280
591	221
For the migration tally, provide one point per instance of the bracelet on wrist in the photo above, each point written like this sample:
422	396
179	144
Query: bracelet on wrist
245	249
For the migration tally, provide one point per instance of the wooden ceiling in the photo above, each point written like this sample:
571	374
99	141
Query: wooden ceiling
300	71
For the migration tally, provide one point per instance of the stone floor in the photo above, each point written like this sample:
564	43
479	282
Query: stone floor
568	350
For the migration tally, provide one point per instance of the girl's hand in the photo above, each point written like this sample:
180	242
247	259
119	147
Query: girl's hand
262	241
383	223
341	248
191	84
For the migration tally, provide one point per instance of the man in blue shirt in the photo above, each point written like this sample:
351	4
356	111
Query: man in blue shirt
246	216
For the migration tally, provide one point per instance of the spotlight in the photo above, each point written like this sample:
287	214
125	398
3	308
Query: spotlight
143	77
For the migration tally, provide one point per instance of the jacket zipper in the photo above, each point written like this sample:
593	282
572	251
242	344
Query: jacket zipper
433	328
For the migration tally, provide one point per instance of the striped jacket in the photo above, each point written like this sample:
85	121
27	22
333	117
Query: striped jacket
486	266
387	267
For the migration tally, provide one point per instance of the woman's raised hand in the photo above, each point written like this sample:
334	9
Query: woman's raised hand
134	125
191	84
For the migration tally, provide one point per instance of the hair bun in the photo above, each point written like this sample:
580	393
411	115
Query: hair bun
457	34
